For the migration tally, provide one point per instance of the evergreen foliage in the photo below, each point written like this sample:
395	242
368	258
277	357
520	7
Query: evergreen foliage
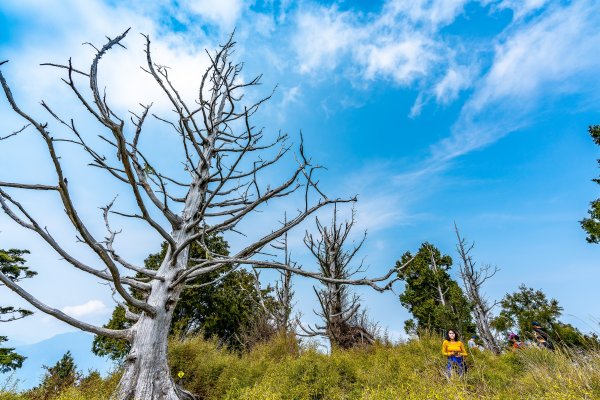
12	264
435	300
283	369
520	309
9	359
592	224
57	378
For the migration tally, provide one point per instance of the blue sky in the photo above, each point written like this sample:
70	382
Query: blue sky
431	111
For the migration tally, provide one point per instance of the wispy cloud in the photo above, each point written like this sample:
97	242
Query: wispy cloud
221	12
535	62
92	307
521	8
402	43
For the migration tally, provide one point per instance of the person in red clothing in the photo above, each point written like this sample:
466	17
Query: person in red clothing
515	342
455	350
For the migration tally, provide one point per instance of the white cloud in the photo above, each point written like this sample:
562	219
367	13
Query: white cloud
456	79
435	13
127	84
543	54
221	12
522	8
323	37
92	307
403	61
292	95
447	89
550	56
402	44
535	63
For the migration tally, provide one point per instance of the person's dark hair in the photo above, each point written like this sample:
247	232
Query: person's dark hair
455	334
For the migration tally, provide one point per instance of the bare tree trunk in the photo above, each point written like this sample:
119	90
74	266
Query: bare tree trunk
219	185
147	374
441	293
483	328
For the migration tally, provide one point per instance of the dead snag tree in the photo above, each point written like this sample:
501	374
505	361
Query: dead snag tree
221	182
473	278
343	323
279	312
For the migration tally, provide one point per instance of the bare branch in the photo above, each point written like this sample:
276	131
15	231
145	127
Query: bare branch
44	234
473	279
68	67
116	334
26	186
15	133
109	245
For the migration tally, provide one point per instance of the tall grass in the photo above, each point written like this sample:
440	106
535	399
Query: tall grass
282	369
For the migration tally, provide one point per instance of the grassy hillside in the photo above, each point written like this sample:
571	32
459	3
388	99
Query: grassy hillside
284	370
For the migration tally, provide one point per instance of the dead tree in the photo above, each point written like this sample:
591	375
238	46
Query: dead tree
473	278
281	313
221	182
342	323
275	301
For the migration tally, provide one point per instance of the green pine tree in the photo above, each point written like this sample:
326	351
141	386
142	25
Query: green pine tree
57	378
435	300
592	224
519	309
12	264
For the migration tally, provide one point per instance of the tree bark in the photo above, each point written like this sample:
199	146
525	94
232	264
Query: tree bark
147	374
223	162
483	328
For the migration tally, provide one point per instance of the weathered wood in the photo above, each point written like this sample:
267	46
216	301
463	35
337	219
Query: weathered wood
224	155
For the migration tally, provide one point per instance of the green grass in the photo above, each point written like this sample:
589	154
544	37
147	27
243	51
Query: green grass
415	370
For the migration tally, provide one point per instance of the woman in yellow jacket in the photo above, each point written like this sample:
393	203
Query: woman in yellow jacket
455	351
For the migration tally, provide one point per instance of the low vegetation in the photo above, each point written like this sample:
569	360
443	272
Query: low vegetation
284	369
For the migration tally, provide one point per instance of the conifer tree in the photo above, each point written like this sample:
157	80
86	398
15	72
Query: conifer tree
57	378
435	300
592	224
521	308
12	264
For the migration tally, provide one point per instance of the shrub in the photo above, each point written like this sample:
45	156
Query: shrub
284	369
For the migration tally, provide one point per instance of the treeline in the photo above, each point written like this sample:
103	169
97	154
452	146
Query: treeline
286	369
438	303
230	305
233	308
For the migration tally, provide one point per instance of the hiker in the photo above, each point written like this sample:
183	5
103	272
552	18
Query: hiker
515	342
541	337
455	351
472	343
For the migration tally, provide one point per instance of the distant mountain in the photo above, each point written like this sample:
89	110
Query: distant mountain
49	351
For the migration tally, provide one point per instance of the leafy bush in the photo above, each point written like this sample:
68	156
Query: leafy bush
284	369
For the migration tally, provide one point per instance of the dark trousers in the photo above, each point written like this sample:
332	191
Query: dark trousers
457	363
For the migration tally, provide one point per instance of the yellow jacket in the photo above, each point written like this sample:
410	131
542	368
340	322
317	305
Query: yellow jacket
449	348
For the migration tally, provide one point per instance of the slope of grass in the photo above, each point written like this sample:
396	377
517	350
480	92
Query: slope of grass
415	370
